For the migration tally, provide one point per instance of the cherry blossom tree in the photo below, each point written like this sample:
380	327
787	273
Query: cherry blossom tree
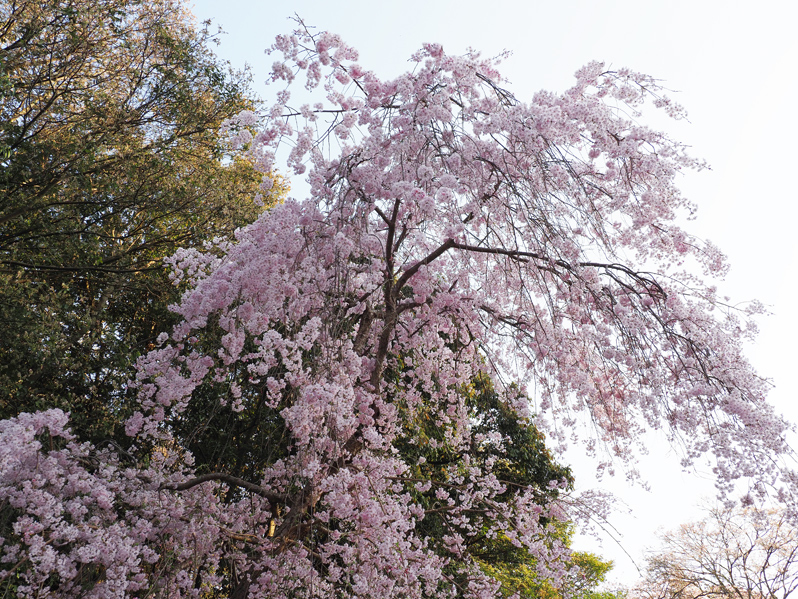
453	235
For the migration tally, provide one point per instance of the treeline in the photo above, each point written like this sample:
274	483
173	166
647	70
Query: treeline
112	158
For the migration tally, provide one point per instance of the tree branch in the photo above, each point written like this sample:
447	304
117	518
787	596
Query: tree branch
230	480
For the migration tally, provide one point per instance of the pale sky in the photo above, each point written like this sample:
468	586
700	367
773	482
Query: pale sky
733	65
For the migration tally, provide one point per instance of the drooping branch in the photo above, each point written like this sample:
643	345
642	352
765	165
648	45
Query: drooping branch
525	255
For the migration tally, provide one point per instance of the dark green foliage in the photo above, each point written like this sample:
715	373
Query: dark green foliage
520	460
111	159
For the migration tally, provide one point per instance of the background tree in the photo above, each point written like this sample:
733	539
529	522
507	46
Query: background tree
112	158
744	553
583	573
453	236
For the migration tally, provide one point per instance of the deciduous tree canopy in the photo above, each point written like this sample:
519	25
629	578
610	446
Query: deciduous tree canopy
731	554
112	158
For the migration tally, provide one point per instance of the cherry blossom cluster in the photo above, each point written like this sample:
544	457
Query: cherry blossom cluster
87	525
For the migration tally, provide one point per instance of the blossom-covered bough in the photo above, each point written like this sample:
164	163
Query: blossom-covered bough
455	239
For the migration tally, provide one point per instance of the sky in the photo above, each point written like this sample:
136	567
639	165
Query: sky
731	64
